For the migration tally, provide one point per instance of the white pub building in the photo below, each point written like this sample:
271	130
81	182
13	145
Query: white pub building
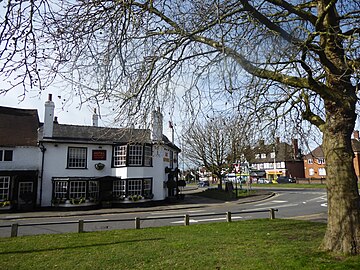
76	166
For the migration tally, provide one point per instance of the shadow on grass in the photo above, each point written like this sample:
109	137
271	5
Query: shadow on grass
80	246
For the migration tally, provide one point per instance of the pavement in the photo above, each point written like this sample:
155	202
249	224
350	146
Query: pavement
191	200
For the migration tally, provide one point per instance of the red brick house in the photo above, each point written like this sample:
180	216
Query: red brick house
315	163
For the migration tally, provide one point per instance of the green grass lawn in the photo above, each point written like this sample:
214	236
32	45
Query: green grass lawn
253	244
291	185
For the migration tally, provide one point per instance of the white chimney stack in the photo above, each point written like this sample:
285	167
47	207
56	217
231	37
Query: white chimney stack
49	117
95	119
156	125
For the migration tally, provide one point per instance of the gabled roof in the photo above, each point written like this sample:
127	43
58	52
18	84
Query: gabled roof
18	127
90	134
283	152
316	153
319	153
100	135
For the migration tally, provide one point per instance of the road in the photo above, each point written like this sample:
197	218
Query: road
291	203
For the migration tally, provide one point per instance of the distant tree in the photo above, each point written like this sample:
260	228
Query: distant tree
215	144
302	58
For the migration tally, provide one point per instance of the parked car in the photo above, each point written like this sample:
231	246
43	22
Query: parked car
263	181
285	180
204	184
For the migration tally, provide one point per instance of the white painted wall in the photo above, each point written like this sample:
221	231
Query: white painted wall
56	162
24	158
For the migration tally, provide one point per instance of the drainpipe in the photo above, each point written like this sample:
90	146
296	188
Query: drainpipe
42	149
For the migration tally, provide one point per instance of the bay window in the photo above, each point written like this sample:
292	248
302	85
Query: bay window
4	188
132	155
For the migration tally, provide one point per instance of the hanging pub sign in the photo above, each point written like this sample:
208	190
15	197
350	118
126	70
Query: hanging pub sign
98	154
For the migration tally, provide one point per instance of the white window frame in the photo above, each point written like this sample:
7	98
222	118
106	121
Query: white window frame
272	155
263	155
119	188
61	189
134	187
147	183
120	153
93	189
77	158
77	189
321	160
322	171
135	155
310	161
311	172
147	155
4	188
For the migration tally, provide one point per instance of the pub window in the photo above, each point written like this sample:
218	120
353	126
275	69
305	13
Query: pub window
4	188
147	156
119	188
60	189
76	157
135	155
147	187
77	189
171	159
134	187
120	155
94	189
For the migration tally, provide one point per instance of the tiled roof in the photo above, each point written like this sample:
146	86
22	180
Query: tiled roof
18	127
104	135
284	152
78	133
319	153
316	153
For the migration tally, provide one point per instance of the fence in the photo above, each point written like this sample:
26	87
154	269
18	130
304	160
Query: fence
137	221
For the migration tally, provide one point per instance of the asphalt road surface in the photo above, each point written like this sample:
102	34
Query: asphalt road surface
301	204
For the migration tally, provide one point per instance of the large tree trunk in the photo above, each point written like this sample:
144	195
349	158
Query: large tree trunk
343	228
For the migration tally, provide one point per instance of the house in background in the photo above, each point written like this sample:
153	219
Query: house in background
74	165
19	158
315	163
278	159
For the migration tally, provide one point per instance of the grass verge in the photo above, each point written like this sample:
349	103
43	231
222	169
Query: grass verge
291	185
253	244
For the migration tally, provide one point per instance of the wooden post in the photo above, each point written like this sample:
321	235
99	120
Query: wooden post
272	213
81	226
186	220
14	229
228	216
137	223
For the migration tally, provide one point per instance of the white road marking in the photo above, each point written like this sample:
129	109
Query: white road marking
207	219
170	216
271	202
273	206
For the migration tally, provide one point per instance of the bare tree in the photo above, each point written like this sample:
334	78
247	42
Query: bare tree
216	143
303	58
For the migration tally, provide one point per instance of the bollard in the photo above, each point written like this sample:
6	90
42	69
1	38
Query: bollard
228	216
186	220
81	226
272	213
137	223
14	229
